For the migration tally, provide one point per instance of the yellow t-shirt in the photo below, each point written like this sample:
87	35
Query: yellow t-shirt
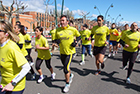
119	36
11	60
66	37
53	34
100	35
124	31
85	34
43	42
112	36
22	41
27	45
132	39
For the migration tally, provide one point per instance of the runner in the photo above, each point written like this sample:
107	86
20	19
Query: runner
130	41
19	29
53	38
101	33
72	24
113	39
65	38
42	48
118	39
13	65
28	47
86	42
126	26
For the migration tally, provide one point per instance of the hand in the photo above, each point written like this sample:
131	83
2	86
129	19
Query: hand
89	38
74	43
139	46
37	46
126	46
106	42
8	87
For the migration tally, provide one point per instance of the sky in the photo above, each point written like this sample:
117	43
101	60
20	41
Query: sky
128	9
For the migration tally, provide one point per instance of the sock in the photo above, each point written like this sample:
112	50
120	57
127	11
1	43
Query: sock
83	57
41	75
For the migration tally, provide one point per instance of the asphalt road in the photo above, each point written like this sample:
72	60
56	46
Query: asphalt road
110	81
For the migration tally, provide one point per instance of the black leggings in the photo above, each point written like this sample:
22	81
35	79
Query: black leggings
32	70
39	62
131	57
29	56
66	61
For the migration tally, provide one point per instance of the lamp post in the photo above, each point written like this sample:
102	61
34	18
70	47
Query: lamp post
62	7
119	21
105	12
56	14
97	9
117	18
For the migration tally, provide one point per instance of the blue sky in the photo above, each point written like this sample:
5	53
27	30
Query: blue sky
129	9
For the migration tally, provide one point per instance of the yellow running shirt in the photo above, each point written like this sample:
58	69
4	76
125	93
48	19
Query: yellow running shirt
11	60
113	34
119	36
132	39
124	31
53	34
43	42
22	41
27	45
85	34
100	35
66	37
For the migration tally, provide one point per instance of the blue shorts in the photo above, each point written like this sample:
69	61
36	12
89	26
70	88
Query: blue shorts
88	49
114	43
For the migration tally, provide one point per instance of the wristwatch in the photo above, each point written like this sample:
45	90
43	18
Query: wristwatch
13	83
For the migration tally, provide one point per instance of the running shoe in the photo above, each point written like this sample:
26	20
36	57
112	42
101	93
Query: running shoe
71	77
33	76
102	65
97	72
124	67
128	81
74	55
53	76
116	52
82	63
66	88
32	63
40	79
109	55
113	54
91	56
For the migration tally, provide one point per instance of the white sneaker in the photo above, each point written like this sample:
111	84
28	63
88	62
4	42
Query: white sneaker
128	81
82	63
53	76
113	54
71	77
66	88
74	55
91	56
124	67
40	79
32	63
109	55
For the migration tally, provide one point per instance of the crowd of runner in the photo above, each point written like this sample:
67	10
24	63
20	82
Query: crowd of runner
15	50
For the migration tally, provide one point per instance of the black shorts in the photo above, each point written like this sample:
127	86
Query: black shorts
99	50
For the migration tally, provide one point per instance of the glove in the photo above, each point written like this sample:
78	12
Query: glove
74	43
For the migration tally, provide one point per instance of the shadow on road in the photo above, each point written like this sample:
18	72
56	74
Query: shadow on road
119	81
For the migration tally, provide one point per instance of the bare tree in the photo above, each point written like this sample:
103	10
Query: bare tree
9	13
69	14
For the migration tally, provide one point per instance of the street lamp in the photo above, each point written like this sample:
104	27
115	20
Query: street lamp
108	10
117	17
97	9
62	7
105	12
111	18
